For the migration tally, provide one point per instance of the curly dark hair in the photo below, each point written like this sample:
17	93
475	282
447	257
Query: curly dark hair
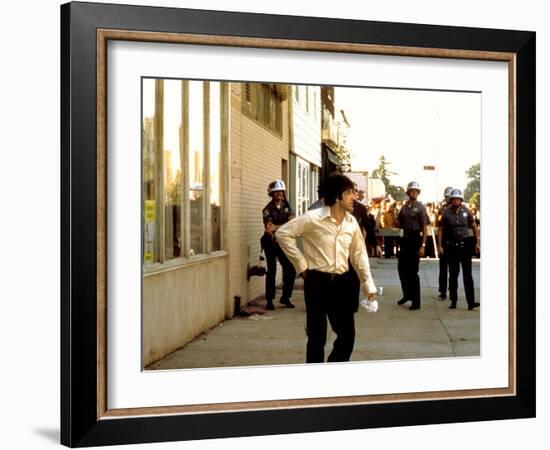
334	186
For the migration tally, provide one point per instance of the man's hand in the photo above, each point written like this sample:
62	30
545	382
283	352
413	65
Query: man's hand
440	250
478	247
303	274
371	296
421	252
378	251
269	227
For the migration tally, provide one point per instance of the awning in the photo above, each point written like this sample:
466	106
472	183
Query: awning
333	158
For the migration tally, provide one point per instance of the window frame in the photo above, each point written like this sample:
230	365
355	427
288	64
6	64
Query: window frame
256	102
161	263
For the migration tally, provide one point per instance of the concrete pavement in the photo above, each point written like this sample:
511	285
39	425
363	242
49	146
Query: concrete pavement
393	332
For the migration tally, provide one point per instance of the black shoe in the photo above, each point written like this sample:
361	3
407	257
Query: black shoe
442	296
414	307
287	303
473	305
269	306
402	301
453	305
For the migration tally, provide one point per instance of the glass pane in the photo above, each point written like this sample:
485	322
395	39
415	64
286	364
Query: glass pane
172	151
215	164
150	168
196	165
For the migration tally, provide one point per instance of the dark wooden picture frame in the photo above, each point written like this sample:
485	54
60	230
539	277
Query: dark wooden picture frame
85	30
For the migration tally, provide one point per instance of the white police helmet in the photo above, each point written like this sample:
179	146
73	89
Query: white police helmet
274	186
413	185
456	193
447	191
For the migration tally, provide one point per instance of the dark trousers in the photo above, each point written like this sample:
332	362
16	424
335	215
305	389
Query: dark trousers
460	254
407	266
443	270
273	253
354	287
329	297
388	246
430	248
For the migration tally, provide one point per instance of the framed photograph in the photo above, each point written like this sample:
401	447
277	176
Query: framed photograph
186	313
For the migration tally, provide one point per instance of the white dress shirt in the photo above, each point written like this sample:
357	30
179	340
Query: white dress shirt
327	245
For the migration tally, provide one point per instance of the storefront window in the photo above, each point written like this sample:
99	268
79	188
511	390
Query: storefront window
215	164
196	166
173	161
172	150
150	168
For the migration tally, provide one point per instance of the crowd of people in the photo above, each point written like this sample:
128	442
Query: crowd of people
340	232
382	214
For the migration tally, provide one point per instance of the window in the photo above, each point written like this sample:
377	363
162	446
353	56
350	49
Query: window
196	166
314	184
171	151
263	103
150	168
303	185
215	164
177	116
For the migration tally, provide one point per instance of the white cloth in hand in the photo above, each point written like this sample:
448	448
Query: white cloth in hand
370	306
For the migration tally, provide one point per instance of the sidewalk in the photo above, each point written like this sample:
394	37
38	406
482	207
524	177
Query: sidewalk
394	332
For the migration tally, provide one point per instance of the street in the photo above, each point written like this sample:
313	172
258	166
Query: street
393	332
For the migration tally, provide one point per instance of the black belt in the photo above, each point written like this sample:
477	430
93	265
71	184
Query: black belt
327	275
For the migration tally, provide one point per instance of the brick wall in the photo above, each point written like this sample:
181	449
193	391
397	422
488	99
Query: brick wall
256	155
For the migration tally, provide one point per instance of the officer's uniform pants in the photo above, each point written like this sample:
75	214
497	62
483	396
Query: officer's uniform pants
460	253
329	297
273	253
407	266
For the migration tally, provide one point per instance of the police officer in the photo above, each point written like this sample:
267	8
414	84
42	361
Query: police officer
413	220
457	237
276	213
443	266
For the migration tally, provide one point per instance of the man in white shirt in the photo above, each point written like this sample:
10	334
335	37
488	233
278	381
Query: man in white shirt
331	237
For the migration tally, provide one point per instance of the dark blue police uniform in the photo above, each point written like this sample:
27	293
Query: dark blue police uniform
412	218
443	266
458	247
277	216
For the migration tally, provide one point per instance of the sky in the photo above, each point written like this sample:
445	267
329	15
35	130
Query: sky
413	129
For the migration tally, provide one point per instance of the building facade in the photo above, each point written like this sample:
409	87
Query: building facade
209	150
305	146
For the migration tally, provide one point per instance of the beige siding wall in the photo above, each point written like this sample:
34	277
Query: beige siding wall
256	155
307	125
180	304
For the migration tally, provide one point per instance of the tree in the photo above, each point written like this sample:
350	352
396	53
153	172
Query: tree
383	173
472	191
